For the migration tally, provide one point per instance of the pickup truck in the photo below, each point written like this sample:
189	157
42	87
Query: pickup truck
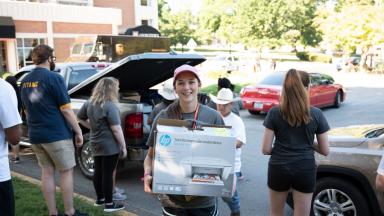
73	72
137	74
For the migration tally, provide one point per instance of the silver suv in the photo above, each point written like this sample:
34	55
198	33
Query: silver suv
346	177
345	183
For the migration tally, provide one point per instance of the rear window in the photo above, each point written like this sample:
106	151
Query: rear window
273	79
88	48
77	76
76	49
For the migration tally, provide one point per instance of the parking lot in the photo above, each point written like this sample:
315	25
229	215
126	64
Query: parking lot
364	105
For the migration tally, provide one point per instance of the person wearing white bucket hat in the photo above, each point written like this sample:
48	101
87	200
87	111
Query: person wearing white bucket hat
224	102
168	94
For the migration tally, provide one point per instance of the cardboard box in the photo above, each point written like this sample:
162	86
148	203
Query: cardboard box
193	162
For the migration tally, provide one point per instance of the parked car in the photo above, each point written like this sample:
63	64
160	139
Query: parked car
266	94
73	73
137	74
226	62
346	177
350	64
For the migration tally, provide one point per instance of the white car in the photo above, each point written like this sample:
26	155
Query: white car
73	73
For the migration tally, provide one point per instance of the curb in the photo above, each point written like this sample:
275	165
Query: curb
87	199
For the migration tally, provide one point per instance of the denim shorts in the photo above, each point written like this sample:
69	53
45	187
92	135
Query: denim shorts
298	175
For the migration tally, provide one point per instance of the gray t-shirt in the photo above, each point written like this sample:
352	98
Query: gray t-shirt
102	139
156	110
206	115
294	143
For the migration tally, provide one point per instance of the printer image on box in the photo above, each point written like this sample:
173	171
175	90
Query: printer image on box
193	162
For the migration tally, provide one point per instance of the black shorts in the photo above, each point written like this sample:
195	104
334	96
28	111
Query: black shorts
298	175
7	203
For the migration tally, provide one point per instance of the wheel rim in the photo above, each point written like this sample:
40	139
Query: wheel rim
333	202
87	157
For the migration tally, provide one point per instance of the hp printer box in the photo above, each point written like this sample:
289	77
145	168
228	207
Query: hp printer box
193	162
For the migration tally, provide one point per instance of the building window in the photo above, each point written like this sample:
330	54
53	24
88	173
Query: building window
144	22
145	2
24	49
3	57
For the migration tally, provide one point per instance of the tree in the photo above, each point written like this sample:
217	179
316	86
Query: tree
346	30
292	37
214	20
342	3
179	26
265	20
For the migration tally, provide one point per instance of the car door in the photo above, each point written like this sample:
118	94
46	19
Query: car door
314	89
327	91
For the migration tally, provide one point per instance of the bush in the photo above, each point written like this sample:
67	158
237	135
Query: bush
304	56
319	57
315	57
212	89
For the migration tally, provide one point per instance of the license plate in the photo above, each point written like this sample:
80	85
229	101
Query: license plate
258	105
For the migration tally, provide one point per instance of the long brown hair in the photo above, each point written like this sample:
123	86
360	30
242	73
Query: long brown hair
294	104
107	89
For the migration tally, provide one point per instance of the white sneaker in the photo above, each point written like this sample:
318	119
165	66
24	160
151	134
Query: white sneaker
118	196
119	190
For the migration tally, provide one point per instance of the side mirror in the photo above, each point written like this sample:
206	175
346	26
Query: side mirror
325	82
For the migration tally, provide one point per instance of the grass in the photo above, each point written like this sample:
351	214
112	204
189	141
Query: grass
212	89
30	201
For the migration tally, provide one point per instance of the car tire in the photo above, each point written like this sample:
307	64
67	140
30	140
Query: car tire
254	112
333	192
84	159
337	102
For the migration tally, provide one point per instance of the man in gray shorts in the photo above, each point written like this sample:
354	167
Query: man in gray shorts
51	123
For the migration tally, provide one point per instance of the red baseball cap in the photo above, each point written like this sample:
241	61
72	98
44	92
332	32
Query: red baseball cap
185	68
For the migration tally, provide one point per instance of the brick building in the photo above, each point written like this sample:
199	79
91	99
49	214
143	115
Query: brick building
26	23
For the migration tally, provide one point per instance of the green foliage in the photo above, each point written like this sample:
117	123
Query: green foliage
216	21
353	26
265	20
319	57
343	3
315	57
4	74
292	37
212	89
304	56
30	201
179	27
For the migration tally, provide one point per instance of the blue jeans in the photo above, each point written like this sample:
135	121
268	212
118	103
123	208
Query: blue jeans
234	201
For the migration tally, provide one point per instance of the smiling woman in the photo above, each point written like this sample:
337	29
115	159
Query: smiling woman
186	84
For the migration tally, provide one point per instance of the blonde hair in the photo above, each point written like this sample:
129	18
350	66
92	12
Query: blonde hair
107	89
294	104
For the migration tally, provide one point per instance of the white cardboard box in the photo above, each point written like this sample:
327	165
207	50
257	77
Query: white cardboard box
193	162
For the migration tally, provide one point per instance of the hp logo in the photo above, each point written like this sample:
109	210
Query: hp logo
165	140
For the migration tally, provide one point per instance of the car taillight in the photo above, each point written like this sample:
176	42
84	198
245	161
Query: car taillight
134	125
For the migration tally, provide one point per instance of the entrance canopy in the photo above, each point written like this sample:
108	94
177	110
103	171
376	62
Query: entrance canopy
7	27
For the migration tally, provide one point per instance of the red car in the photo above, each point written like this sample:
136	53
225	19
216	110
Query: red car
266	94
